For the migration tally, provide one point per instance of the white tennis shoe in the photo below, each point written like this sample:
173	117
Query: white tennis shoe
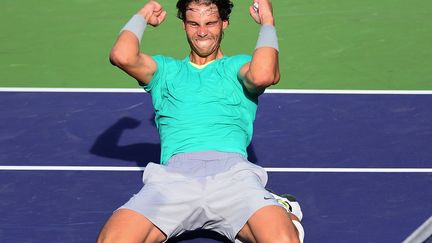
289	202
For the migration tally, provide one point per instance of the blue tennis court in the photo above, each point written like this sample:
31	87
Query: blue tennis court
360	164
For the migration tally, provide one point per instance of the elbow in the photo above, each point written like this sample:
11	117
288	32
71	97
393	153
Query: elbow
265	80
276	78
119	59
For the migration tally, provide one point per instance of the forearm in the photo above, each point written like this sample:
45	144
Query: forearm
264	67
263	70
126	49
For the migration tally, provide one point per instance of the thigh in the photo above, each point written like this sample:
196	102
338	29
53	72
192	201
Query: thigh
128	226
167	199
236	195
269	224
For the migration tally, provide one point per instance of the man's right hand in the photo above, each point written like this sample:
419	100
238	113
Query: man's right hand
153	13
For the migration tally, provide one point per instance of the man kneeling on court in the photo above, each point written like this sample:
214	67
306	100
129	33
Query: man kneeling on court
205	106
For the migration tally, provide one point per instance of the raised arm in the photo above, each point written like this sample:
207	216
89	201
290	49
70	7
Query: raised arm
126	51
263	70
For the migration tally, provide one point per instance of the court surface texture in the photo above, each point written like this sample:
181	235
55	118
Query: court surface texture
359	163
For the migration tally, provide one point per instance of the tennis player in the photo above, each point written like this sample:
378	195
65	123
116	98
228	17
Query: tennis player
205	105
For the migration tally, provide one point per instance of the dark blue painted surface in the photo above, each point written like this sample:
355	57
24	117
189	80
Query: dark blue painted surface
359	207
77	129
72	206
292	130
344	130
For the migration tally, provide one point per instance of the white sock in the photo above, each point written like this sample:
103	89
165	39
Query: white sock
299	229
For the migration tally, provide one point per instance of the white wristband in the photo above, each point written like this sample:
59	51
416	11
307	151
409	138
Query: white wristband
267	37
136	25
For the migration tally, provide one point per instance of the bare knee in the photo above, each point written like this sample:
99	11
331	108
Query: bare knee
278	239
104	237
288	239
107	235
286	235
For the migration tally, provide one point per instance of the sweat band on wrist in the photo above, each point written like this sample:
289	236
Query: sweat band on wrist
136	25
267	37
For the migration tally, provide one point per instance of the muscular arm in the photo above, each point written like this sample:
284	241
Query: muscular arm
263	70
126	53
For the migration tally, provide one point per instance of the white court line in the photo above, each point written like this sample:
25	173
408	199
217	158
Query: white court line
353	170
269	169
72	168
73	90
421	234
270	91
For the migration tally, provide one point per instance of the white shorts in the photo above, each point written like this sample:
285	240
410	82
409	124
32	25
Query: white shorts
202	190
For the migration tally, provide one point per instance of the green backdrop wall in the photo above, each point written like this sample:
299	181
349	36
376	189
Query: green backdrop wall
325	44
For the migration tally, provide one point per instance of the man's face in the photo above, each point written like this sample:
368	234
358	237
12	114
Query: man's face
204	28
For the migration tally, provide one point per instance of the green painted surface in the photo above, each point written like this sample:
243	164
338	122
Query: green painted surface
339	44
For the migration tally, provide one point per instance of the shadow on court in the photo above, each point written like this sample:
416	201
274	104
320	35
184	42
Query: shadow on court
107	145
206	235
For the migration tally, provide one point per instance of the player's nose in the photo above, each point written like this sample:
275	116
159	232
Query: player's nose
202	31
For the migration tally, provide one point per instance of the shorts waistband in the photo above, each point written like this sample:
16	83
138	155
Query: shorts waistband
206	155
204	163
